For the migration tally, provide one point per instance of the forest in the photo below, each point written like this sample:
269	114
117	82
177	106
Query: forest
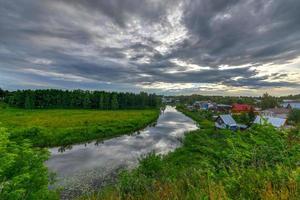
52	98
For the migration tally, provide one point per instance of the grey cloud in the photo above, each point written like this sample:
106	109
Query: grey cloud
99	40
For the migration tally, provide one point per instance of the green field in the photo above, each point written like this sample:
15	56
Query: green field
260	163
55	127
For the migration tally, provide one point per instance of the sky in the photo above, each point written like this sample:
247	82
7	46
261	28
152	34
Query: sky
172	47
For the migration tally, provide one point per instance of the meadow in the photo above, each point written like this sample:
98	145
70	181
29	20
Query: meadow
54	127
260	163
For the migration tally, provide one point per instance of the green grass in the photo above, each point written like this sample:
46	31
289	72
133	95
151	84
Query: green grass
260	163
56	127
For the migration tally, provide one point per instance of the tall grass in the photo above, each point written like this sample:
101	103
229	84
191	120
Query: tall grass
63	127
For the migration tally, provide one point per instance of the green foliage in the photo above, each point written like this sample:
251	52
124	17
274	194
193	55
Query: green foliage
29	101
62	127
114	102
260	163
3	93
268	101
294	116
23	175
80	99
3	105
243	118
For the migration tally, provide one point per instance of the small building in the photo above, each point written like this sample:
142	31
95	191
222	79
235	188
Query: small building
167	100
276	112
190	108
291	104
241	108
226	122
294	105
203	105
223	107
274	121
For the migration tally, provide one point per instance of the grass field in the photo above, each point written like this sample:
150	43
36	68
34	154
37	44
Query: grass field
260	163
62	127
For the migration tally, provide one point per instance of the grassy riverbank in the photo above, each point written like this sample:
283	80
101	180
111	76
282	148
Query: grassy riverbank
56	127
260	163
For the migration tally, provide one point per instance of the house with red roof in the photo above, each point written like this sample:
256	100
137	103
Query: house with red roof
241	108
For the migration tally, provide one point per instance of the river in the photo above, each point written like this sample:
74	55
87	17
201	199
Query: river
84	167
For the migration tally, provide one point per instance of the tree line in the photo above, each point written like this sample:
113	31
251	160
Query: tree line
53	98
265	101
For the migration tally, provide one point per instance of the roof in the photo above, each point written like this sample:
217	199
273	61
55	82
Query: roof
228	120
274	121
294	105
224	105
278	110
241	107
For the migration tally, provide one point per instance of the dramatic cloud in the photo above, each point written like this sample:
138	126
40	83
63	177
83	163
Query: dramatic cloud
173	46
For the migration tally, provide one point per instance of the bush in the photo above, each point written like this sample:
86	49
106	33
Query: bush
22	172
294	116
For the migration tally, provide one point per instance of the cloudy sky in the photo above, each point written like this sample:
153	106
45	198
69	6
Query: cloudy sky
231	47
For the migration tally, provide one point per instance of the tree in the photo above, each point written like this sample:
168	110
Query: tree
251	115
23	175
101	101
114	102
268	101
2	93
87	101
29	102
294	116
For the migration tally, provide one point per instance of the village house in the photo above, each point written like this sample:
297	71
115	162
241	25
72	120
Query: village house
276	112
227	122
167	100
291	104
223	108
241	108
203	105
274	121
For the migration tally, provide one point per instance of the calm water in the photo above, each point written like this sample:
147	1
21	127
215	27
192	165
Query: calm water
86	166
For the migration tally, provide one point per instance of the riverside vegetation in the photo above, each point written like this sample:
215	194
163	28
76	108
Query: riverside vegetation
260	163
57	127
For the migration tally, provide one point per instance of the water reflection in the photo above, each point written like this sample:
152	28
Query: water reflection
80	168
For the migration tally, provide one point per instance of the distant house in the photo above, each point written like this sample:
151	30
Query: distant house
274	121
291	104
276	112
294	105
167	100
203	105
226	122
190	108
241	108
223	107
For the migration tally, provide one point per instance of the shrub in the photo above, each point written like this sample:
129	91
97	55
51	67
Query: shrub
22	172
294	116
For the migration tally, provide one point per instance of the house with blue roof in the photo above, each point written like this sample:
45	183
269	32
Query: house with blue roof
227	122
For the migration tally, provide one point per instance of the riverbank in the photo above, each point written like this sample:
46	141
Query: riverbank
59	127
260	163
